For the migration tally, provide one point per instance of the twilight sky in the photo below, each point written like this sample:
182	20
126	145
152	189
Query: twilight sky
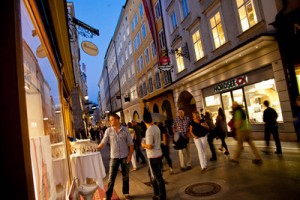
102	15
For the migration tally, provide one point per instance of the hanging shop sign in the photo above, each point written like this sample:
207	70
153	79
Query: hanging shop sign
40	52
89	48
231	84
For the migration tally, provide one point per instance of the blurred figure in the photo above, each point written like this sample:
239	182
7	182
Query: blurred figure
137	142
198	130
181	131
165	145
221	129
133	135
243	133
271	127
152	145
211	134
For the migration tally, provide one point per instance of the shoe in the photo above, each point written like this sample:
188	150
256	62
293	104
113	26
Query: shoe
127	196
133	169
188	167
171	170
278	152
226	153
155	197
234	160
257	161
213	159
204	169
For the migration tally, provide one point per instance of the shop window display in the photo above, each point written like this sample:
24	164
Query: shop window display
45	124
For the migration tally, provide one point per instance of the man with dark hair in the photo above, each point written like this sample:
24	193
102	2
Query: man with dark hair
152	145
121	149
271	126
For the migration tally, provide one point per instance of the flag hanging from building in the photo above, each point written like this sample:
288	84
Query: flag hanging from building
152	24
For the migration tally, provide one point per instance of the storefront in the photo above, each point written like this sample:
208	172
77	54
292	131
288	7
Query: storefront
249	90
249	75
36	82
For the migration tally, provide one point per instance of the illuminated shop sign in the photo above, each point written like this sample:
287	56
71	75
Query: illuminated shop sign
233	83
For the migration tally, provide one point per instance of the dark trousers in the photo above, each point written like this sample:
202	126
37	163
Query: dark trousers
113	171
272	129
166	153
138	153
157	180
210	139
222	137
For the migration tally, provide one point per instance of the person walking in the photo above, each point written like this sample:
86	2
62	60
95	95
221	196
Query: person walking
165	145
137	142
181	128
121	149
243	133
133	135
198	130
271	127
152	145
221	129
211	135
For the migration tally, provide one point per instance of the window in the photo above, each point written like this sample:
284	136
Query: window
217	30
197	45
144	32
126	53
144	88
256	94
150	83
130	48
179	62
246	13
185	9
132	69
140	64
157	10
153	49
161	36
157	80
133	93
141	10
173	20
128	73
147	57
123	79
167	77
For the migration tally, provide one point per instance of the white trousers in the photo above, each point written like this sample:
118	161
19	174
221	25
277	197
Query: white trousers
201	146
188	156
133	160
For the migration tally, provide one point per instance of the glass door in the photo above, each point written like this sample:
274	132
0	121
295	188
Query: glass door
227	103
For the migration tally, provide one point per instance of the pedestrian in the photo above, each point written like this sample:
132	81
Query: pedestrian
271	127
152	145
181	131
137	142
243	133
133	135
211	134
221	129
165	146
121	149
198	130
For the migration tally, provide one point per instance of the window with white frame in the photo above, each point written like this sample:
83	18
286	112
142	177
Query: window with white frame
217	30
150	83
128	73
157	10
144	32
153	49
147	57
247	13
161	36
138	65
145	92
132	69
127	30
167	77
173	20
130	48
138	39
133	93
126	53
157	80
199	53
179	61
123	79
141	63
185	8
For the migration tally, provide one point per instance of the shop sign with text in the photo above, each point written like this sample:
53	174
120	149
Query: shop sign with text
231	84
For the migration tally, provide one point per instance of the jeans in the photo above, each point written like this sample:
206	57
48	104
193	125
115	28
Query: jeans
157	180
113	171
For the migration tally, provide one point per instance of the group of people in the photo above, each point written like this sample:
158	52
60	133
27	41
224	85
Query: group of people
124	141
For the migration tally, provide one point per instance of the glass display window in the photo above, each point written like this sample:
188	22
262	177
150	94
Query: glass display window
256	94
213	103
44	112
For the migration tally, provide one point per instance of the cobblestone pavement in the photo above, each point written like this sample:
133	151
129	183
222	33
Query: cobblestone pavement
277	178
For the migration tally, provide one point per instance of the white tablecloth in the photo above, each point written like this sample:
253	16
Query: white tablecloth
88	165
60	171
